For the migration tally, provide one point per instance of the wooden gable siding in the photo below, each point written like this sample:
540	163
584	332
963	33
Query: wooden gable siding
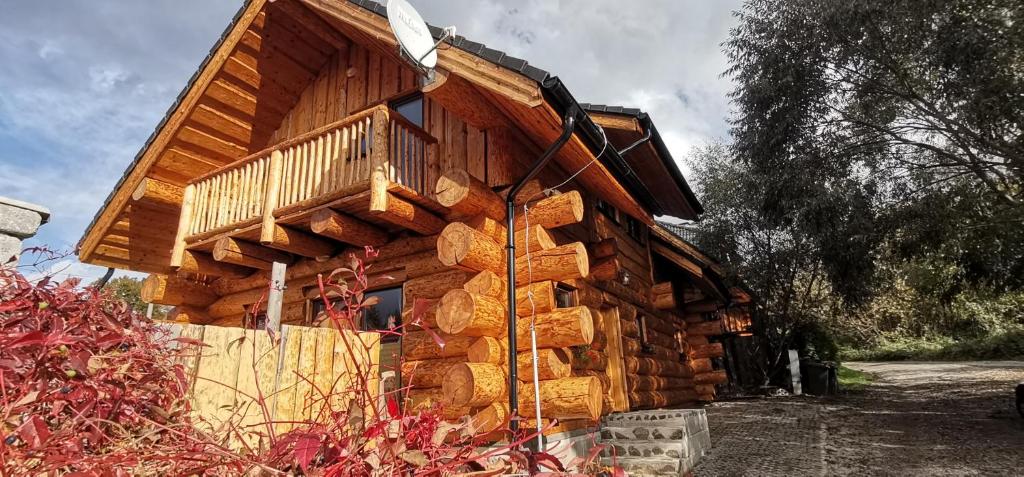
357	77
230	109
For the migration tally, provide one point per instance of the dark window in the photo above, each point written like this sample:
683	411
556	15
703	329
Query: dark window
635	229
257	322
609	211
385	315
410	108
565	297
407	156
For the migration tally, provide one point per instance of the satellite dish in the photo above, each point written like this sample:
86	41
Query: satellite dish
414	39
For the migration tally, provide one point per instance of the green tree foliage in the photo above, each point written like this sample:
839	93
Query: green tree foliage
900	121
873	185
780	261
129	290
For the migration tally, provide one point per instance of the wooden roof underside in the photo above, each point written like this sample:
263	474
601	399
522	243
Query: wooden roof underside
625	129
248	84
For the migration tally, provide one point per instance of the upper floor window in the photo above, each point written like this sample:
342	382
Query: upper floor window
410	107
607	209
635	229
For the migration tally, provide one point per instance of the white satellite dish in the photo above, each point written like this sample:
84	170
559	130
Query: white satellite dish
414	39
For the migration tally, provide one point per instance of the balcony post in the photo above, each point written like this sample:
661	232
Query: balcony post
270	199
379	149
184	224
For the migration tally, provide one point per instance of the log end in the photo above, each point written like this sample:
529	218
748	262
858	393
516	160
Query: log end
153	288
455	311
582	260
486	350
452	187
594	398
454	243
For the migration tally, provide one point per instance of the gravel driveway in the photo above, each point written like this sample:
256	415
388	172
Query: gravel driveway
915	419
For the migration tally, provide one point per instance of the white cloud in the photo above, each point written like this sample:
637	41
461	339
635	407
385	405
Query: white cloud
105	78
50	49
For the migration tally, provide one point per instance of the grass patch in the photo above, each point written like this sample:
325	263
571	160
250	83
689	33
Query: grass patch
1007	345
853	380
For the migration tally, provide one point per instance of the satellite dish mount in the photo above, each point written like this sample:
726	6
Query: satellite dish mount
414	39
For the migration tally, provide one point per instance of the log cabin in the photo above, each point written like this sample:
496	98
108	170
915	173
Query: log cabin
305	136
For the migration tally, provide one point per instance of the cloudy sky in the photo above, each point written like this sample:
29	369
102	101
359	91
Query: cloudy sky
85	82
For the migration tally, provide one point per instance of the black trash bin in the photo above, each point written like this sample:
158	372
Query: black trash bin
819	378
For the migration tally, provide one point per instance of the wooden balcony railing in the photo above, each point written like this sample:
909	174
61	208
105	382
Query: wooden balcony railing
304	172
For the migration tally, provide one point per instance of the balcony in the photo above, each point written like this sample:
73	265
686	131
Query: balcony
373	172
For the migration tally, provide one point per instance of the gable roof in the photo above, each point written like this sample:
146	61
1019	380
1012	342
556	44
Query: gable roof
116	208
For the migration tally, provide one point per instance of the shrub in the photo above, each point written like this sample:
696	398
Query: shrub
85	383
90	387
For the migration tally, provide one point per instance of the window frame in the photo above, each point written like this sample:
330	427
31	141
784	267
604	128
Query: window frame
566	290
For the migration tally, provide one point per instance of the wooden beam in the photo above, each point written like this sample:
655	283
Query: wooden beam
390	208
247	254
616	121
159	194
201	263
678	259
346	229
560	263
468	196
184	224
170	290
663	296
461	98
606	268
460	245
276	296
298	243
555	211
138	171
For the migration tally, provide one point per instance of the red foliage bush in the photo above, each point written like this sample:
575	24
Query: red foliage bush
84	382
88	387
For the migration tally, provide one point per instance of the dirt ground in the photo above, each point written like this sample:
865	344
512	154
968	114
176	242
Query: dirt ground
915	419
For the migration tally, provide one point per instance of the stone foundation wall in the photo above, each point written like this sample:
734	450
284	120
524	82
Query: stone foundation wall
660	442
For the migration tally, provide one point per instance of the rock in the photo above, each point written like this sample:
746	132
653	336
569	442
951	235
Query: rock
21	219
18	220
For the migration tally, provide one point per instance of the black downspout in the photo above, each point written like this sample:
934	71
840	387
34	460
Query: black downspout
568	124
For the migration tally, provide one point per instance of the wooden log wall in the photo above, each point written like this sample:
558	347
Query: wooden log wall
469	305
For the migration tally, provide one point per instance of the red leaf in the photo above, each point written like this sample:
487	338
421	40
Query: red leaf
306	448
618	472
549	461
437	338
27	339
34	432
393	407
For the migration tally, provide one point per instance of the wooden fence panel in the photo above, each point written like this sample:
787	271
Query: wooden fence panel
296	377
